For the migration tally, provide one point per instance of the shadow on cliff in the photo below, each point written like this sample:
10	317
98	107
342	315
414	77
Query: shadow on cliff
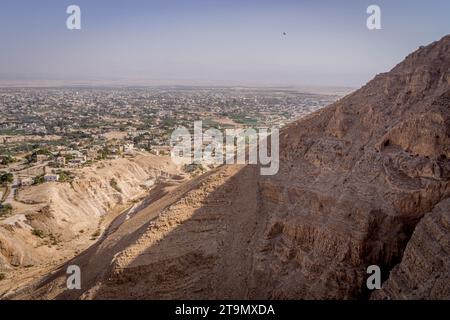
190	264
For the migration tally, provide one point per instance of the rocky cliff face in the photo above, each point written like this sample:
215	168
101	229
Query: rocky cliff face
364	181
424	271
356	179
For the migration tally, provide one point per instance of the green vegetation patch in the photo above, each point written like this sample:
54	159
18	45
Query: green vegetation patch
66	176
5	210
6	178
38	233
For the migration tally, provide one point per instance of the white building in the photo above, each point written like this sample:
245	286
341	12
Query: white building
51	177
128	148
23	182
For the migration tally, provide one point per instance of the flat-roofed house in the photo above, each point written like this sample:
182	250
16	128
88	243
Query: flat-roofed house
51	178
23	182
61	161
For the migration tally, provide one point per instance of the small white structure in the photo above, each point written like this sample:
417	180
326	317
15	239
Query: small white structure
24	182
61	161
128	148
51	178
78	161
160	150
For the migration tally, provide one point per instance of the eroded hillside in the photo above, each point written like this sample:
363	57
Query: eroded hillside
54	221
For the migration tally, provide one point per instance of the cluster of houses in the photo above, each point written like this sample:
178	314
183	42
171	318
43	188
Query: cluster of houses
71	159
75	158
160	150
61	157
50	177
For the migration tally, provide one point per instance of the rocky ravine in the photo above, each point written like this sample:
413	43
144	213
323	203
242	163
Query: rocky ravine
364	181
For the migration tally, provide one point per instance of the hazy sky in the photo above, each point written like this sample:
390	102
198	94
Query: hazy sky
217	42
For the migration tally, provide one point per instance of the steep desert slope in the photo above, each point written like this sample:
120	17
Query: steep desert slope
355	180
364	181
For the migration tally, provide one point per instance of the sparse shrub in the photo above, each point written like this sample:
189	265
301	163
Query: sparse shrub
39	180
113	184
194	168
2	276
54	239
7	160
5	209
38	233
95	235
6	178
66	176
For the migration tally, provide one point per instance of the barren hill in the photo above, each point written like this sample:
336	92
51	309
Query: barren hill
52	222
364	181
